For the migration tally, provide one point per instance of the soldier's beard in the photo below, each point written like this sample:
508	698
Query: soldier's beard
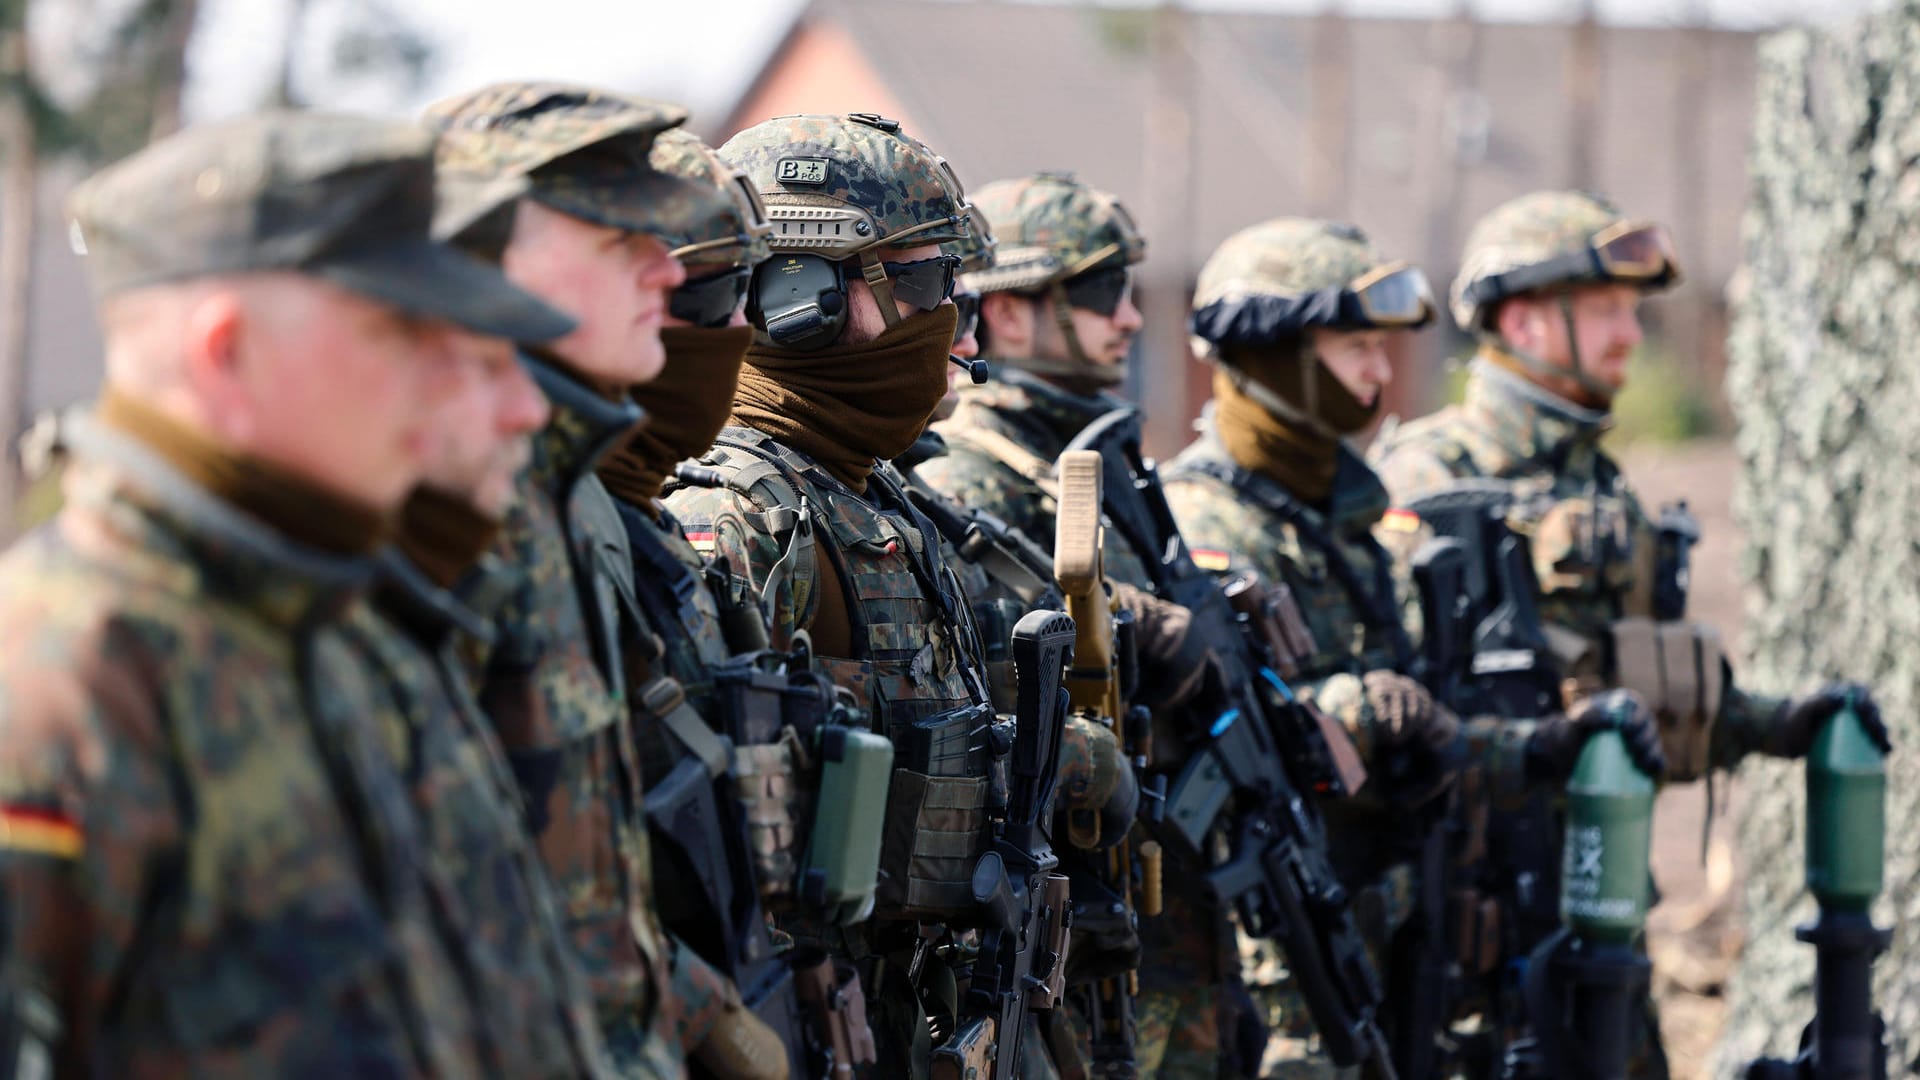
850	404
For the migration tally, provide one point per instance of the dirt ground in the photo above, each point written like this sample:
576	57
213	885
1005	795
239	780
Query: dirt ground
1693	934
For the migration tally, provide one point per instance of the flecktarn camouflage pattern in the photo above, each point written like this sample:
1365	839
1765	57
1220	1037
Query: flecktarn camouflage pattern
838	185
737	235
1053	227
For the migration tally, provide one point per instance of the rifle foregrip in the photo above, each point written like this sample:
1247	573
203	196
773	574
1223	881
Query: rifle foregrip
1076	542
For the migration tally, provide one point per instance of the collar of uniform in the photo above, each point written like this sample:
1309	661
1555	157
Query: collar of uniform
584	427
1053	415
1535	423
428	613
234	555
1359	498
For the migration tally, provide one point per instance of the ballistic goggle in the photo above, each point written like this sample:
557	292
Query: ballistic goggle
967	322
1626	252
710	301
1099	291
1395	296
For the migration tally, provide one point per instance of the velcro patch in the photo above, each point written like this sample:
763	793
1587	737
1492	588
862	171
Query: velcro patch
702	542
801	170
39	831
1399	520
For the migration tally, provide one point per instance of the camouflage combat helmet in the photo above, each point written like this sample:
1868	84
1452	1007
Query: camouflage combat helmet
1053	227
1270	281
1548	242
583	152
978	250
845	187
1267	284
734	236
1069	242
1553	239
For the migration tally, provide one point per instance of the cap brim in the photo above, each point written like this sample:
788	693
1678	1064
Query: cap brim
438	282
654	203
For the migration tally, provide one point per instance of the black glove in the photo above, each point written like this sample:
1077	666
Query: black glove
1174	661
1555	745
1791	734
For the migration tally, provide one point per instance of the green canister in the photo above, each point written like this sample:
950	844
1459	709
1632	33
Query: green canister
1846	814
1604	876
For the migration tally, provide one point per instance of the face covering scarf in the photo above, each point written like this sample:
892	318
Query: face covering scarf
847	405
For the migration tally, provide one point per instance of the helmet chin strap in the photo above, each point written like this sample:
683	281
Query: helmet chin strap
1078	366
876	279
1286	411
1602	393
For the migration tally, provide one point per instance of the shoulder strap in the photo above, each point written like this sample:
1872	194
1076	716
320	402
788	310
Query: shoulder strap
766	481
1007	452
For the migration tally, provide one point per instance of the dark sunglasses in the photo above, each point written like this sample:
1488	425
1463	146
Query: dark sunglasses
1099	291
710	302
923	283
968	304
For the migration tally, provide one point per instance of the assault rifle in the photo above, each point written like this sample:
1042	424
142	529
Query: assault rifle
1484	652
1113	884
1022	958
1256	758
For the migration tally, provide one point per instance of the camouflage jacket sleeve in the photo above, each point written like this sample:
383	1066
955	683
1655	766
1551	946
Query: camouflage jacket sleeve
87	815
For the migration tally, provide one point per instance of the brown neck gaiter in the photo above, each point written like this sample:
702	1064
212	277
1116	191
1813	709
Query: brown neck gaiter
847	405
296	507
686	406
443	534
1298	443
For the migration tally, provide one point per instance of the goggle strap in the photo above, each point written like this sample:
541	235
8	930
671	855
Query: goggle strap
1090	261
876	277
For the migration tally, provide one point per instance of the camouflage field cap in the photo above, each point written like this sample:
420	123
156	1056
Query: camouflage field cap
472	210
1273	280
1552	240
584	152
348	199
1053	227
838	186
737	234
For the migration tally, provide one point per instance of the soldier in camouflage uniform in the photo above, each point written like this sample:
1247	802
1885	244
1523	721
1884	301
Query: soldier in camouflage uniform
559	676
1296	317
1550	283
1057	320
210	867
848	365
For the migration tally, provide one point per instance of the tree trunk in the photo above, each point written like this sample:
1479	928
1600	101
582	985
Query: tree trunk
1823	380
18	218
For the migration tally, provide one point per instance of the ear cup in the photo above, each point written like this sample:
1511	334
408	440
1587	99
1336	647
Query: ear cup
799	301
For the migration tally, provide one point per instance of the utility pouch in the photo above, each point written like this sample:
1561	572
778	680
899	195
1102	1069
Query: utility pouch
969	1054
837	1014
843	848
1274	614
774	707
1677	667
936	814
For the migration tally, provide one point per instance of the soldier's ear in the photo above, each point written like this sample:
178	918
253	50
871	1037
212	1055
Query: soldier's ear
212	358
1518	320
1008	319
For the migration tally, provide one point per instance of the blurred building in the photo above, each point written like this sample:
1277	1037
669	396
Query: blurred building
1204	122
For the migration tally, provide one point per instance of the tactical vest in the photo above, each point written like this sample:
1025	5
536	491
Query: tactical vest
1337	575
917	665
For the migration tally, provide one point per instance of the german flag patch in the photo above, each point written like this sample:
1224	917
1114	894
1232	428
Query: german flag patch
37	830
702	542
1398	520
1209	559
